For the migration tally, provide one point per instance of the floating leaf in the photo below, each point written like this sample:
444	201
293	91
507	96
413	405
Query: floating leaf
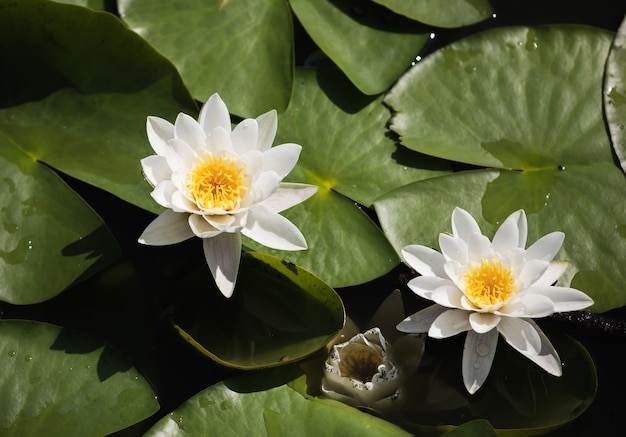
348	154
279	313
463	103
56	382
615	94
72	99
451	13
358	36
241	49
272	408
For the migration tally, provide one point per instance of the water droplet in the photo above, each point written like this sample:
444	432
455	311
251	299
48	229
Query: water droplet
476	364
494	16
11	354
432	35
70	369
28	358
482	349
561	167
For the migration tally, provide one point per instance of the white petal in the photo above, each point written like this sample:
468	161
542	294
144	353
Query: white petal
463	224
448	295
478	248
253	160
201	228
244	136
281	159
186	155
507	235
520	334
531	272
214	114
425	286
159	132
522	226
219	142
528	305
180	203
553	273
288	195
548	359
155	169
266	185
163	192
188	130
564	298
273	230
478	354
168	228
424	260
223	253
483	322
220	222
450	323
420	321
268	123
453	249
546	247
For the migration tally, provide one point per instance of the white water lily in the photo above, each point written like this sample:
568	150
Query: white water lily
361	372
218	184
488	288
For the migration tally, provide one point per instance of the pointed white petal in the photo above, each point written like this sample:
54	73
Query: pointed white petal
220	222
478	354
223	253
268	123
288	195
155	169
186	154
450	323
522	226
546	247
202	228
424	260
447	295
163	192
159	132
507	235
552	274
281	159
420	321
483	322
214	114
564	298
463	224
453	248
520	334
479	247
425	286
219	142
266	185
273	230
548	358
180	203
168	228
188	130
244	136
528	305
531	272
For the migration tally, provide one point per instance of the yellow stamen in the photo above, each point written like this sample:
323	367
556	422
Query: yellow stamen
216	183
489	283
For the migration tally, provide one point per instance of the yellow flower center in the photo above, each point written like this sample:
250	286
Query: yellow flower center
216	183
489	283
360	362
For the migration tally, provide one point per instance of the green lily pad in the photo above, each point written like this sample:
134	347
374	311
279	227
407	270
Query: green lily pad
50	237
518	398
56	382
455	13
615	94
501	101
241	49
474	428
98	5
272	407
358	36
591	220
72	99
279	313
347	153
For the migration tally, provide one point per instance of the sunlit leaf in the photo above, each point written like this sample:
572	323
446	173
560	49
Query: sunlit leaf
463	103
55	382
98	5
615	94
346	152
73	99
263	404
359	36
279	313
450	13
241	49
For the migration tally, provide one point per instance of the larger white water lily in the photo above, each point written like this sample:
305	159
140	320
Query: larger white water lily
489	287
218	184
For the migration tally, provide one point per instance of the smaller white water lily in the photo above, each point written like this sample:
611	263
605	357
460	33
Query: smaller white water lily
489	287
361	372
219	184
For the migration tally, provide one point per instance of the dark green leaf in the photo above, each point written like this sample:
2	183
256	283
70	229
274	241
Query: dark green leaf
451	13
615	94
